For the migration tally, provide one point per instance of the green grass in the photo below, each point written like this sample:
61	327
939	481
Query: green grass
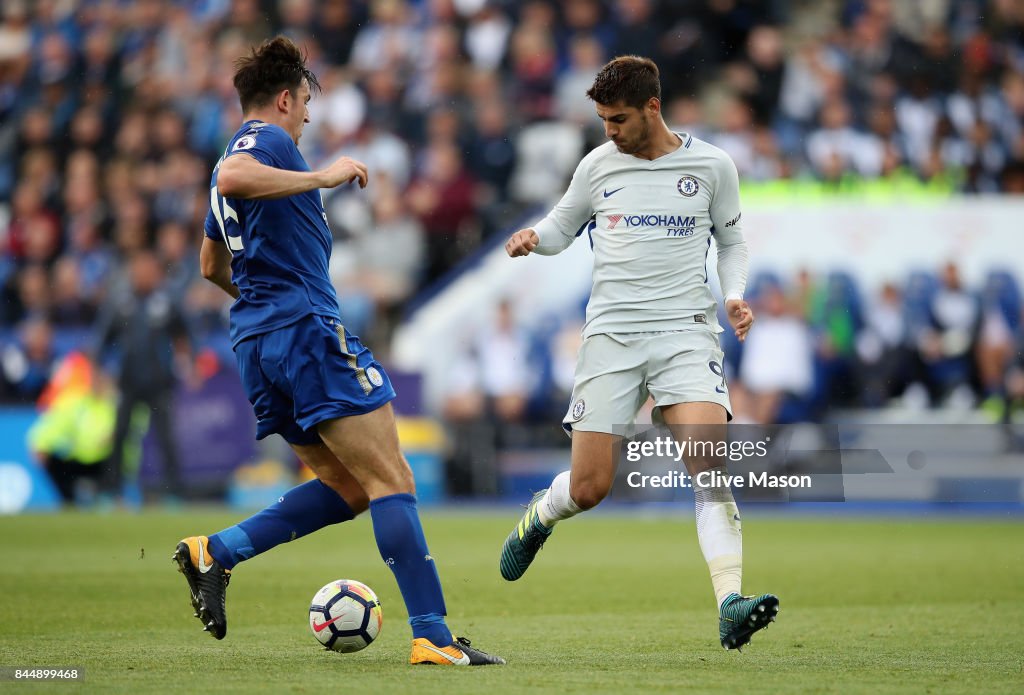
614	604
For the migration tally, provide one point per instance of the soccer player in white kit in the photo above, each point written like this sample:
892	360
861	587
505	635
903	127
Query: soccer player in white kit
650	201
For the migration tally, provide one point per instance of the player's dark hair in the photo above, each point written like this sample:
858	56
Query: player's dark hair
629	79
266	71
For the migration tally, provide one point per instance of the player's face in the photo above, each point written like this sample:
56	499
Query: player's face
298	116
628	127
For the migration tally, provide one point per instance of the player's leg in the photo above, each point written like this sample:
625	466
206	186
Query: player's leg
371	451
333	497
609	390
718	519
207	562
589	480
691	395
718	524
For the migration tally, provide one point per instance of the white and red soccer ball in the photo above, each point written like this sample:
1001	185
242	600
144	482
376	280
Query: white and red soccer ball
345	615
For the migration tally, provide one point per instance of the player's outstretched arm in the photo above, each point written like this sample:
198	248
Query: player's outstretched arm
740	316
522	243
215	264
242	176
556	232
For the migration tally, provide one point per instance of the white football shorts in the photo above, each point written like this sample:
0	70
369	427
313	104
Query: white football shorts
615	374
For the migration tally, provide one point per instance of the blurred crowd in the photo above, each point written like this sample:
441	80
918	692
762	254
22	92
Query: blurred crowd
821	344
824	343
113	113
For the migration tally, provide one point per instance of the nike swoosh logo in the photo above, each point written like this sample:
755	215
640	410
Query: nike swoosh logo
203	567
609	194
462	661
318	628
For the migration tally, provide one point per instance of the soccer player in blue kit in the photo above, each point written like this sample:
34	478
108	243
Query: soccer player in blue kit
267	244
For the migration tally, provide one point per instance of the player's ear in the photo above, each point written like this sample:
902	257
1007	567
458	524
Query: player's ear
654	106
285	100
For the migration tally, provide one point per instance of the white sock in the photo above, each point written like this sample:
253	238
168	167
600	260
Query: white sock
557	504
719	533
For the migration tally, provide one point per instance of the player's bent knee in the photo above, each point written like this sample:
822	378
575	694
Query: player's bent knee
588	494
350	491
698	465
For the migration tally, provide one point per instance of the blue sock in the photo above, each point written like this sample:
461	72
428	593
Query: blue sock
396	526
300	511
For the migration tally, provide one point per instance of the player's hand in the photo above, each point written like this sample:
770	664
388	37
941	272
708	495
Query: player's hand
522	242
344	170
740	316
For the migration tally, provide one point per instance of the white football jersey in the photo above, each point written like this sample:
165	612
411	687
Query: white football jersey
650	224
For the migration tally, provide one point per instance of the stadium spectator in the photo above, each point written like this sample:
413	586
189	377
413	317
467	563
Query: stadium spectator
33	294
436	80
1012	402
836	320
151	336
1001	318
85	244
686	114
69	308
389	41
533	61
486	37
491	157
586	56
736	135
565	346
382	261
813	72
385	109
486	400
339	113
339	21
28	362
442	196
73	438
175	253
380	149
947	347
759	72
27	213
588	20
884	146
501	348
470	459
835	148
636	32
882	348
778	358
39	170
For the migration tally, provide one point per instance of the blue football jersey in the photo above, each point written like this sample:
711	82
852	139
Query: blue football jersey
280	248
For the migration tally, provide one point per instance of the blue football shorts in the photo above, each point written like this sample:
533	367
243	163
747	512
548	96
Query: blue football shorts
307	372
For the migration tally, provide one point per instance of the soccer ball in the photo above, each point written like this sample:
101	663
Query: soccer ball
345	616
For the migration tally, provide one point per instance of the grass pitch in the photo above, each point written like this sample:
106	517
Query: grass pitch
614	604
